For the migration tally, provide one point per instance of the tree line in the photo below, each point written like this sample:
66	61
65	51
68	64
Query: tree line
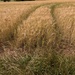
16	0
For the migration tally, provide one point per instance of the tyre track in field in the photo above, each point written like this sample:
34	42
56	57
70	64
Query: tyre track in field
69	49
52	7
33	56
23	17
57	30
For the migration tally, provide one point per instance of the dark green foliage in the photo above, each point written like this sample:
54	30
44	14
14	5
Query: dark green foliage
6	0
56	65
24	0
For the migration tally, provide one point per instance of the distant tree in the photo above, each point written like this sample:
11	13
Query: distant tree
24	0
6	0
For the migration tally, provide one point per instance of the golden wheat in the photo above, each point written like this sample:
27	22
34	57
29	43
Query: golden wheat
38	28
11	16
34	24
65	19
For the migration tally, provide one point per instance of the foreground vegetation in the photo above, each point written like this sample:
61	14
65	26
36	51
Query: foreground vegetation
39	40
43	64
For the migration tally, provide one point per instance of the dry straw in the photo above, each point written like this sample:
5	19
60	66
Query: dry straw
10	18
65	18
37	30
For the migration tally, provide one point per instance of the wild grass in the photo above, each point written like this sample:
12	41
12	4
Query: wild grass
37	30
47	62
37	33
65	22
11	17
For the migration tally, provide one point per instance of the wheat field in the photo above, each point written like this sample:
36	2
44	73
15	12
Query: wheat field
37	38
